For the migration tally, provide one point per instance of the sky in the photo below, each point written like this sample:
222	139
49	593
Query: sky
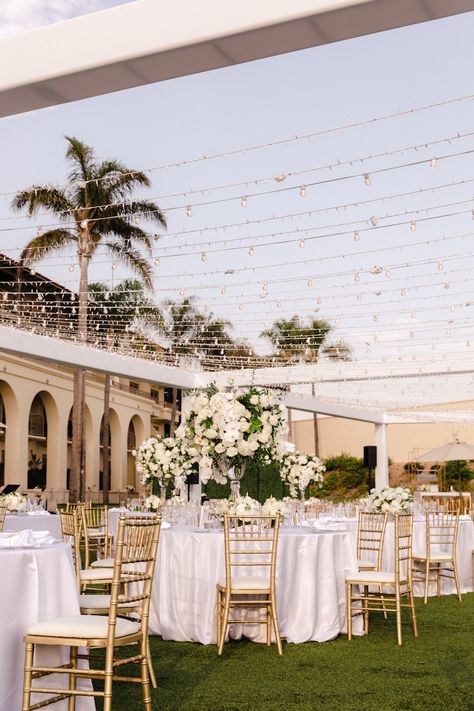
399	291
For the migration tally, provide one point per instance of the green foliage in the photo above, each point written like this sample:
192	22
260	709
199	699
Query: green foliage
344	473
457	474
413	468
259	481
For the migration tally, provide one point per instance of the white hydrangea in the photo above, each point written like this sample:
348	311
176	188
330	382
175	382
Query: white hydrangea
389	499
165	459
273	506
243	505
13	502
298	470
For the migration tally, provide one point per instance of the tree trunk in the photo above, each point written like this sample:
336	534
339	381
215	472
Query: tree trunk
106	442
315	425
78	460
174	395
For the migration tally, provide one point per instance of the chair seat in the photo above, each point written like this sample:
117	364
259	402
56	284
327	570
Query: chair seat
246	583
93	574
366	565
436	558
373	577
103	563
82	627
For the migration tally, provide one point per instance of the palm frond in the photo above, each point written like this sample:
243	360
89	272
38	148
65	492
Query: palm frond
47	243
81	157
133	259
144	209
45	197
123	231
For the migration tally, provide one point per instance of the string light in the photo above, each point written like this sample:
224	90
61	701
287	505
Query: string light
310	282
251	251
71	267
204	257
413	226
244	201
433	163
356	236
157	261
367	179
189	211
302	191
301	243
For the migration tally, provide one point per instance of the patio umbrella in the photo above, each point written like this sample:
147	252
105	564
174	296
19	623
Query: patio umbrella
451	452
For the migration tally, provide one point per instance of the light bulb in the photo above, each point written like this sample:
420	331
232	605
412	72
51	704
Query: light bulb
301	243
251	251
244	201
279	304
189	211
157	261
374	221
71	267
114	266
387	272
318	300
356	236
84	224
413	226
310	282
402	292
440	265
204	257
357	276
32	272
241	307
367	179
181	291
376	318
280	178
413	314
39	231
433	162
223	290
302	190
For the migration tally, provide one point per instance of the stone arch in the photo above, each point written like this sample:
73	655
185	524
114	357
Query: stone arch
135	436
44	440
9	416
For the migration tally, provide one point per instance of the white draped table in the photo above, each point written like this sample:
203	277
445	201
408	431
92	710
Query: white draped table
35	522
36	584
464	551
311	569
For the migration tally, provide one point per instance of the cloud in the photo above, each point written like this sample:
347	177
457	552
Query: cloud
18	16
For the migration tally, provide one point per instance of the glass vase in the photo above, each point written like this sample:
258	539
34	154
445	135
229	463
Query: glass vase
235	475
163	495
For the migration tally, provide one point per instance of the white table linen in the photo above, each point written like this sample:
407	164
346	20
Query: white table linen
310	585
36	584
42	522
464	552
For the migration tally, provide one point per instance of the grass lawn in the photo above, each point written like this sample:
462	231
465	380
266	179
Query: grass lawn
433	673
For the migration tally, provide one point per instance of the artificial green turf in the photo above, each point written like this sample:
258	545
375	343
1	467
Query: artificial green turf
432	673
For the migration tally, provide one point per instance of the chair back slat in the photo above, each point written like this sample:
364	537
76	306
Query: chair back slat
403	525
251	543
370	536
442	531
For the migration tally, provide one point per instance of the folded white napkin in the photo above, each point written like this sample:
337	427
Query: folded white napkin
38	513
26	539
122	510
328	526
165	524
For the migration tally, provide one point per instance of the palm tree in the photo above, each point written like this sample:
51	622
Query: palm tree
95	209
294	341
122	309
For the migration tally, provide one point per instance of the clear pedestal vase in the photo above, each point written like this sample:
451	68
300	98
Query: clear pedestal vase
235	475
163	495
301	506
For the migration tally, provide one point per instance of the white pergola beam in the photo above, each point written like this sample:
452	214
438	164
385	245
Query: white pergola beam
74	355
148	41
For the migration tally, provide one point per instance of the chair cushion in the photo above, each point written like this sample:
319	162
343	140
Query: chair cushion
246	583
371	577
82	627
103	563
92	574
435	558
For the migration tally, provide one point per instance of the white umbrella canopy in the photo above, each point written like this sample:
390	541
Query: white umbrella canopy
451	452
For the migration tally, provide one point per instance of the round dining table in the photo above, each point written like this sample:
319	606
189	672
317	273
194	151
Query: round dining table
36	584
42	521
310	585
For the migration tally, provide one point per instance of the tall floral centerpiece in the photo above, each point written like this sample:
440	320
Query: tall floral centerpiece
298	470
228	427
390	499
164	459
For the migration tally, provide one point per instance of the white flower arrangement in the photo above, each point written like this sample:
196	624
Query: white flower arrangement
243	506
229	427
273	506
13	502
152	502
298	470
165	459
389	499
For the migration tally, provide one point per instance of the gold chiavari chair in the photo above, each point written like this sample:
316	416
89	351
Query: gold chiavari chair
439	559
3	513
396	585
109	632
370	539
71	524
98	603
96	535
250	549
77	505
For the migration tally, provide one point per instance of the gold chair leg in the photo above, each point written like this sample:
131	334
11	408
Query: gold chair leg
72	679
268	613
383	602
456	581
219	616
151	671
225	622
438	580
366	609
27	676
398	611
427	579
109	672
349	610
414	623
275	627
145	678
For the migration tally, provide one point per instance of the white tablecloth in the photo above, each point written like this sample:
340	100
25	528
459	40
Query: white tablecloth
463	553
21	522
311	569
36	584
